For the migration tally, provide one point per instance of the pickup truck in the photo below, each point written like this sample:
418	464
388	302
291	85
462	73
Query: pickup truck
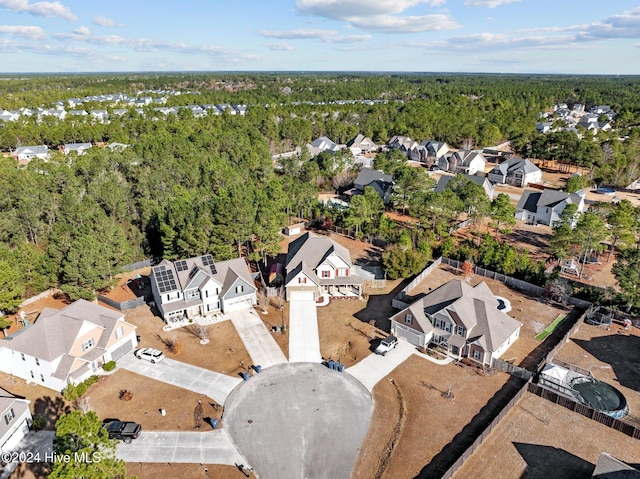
386	345
123	430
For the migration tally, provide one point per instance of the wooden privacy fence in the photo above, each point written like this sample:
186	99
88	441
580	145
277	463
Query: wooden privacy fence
480	439
586	411
511	369
124	305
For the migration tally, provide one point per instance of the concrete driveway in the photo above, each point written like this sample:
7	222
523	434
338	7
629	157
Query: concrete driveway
304	344
257	339
374	367
211	447
215	385
299	420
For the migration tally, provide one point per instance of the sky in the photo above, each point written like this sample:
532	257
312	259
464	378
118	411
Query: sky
488	36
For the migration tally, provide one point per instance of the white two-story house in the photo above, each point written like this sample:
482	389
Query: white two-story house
546	207
199	287
464	320
317	266
67	345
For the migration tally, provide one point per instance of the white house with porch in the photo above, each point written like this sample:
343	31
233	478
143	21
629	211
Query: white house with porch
318	266
199	286
464	321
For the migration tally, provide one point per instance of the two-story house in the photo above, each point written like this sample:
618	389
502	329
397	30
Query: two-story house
515	172
464	320
469	162
67	345
546	206
15	420
318	266
199	287
378	180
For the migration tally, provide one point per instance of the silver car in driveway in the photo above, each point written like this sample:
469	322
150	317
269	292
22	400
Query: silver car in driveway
150	354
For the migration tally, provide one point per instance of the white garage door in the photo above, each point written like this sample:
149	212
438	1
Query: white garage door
302	296
16	437
409	335
122	350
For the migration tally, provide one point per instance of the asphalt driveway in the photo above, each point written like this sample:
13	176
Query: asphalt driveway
256	338
304	343
215	385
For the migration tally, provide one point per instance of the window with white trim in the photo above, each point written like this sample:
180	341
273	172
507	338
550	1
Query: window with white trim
87	344
326	274
302	280
9	416
239	289
475	354
119	332
37	362
408	318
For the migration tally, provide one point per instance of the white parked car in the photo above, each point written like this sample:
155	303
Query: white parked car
150	354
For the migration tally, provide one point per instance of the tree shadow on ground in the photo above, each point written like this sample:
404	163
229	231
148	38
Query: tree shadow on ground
620	352
546	461
50	409
379	308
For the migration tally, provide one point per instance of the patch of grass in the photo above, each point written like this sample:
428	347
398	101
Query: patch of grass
549	329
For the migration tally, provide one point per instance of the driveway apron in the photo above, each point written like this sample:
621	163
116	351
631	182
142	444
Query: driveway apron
375	367
212	447
304	344
257	339
215	385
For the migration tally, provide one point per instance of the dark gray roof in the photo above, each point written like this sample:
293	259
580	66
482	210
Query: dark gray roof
444	180
529	201
368	176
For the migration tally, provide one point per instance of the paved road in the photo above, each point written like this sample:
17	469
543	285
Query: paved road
304	344
257	339
299	420
212	447
374	367
215	385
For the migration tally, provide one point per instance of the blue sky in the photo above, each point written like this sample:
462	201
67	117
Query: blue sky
495	36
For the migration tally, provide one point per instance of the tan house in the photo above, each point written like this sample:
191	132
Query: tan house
463	320
67	345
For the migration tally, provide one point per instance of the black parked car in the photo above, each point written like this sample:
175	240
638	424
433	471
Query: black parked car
123	430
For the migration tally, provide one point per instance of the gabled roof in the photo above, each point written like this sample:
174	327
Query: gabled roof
483	181
194	273
475	307
368	176
313	250
514	164
467	156
32	150
54	332
7	399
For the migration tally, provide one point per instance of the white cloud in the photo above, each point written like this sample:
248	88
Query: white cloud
34	33
405	24
82	30
380	15
279	46
325	36
41	9
105	22
488	3
625	25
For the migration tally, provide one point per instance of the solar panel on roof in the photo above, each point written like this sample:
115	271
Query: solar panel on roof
207	260
160	268
166	281
213	269
181	266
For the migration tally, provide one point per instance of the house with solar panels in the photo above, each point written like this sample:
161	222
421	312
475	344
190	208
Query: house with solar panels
198	286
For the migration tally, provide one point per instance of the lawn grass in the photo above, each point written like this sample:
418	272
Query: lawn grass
549	329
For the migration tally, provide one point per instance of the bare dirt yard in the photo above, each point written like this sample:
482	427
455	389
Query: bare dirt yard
413	420
538	440
612	356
